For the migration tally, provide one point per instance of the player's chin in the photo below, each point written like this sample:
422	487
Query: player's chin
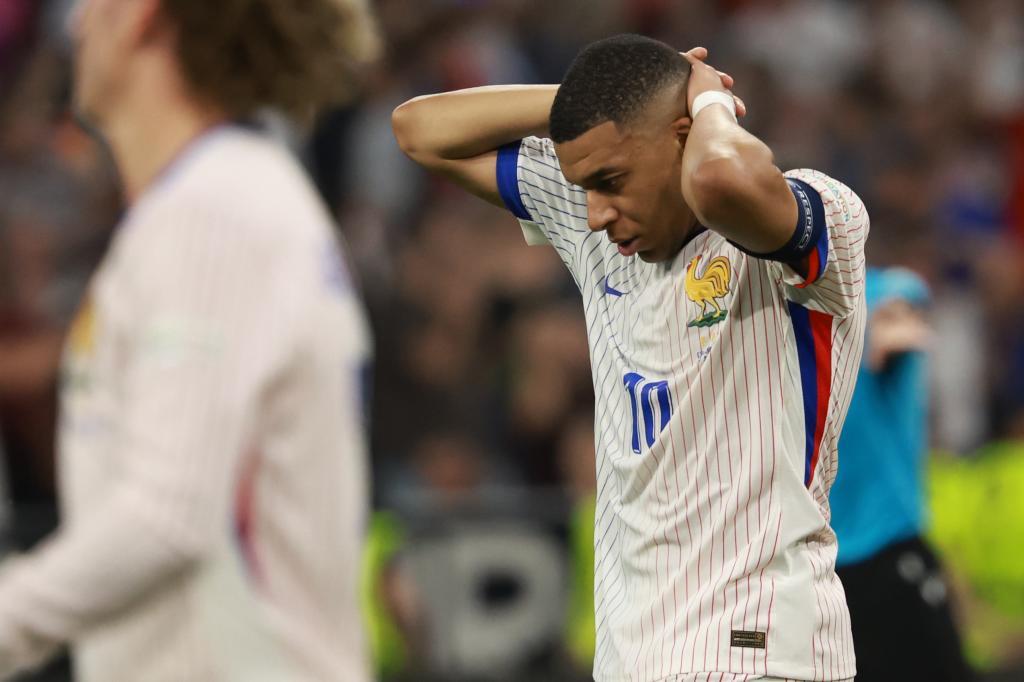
653	255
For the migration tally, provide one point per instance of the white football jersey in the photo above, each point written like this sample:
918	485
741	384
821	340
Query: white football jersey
722	382
211	441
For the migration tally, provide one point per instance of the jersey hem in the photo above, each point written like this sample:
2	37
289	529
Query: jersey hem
804	675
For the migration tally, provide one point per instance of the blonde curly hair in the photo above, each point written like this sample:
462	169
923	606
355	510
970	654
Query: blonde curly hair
296	56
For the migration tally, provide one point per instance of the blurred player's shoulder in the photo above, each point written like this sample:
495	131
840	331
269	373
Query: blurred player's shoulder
244	173
240	184
236	203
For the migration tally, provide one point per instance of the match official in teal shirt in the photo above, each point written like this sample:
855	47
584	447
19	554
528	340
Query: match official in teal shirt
902	625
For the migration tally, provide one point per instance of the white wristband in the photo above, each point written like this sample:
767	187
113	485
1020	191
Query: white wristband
706	99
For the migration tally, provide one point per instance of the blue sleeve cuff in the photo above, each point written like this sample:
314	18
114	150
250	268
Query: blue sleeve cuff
809	243
508	180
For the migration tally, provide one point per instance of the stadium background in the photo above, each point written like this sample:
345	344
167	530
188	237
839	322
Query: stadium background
478	564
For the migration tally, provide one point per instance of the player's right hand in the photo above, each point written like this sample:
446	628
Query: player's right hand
697	56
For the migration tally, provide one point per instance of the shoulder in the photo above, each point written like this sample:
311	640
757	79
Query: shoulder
538	148
243	207
839	199
537	158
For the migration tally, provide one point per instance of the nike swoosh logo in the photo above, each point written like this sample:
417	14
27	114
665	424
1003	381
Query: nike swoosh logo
611	291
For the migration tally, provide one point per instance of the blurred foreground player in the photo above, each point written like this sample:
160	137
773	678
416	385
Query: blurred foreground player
211	451
725	310
902	625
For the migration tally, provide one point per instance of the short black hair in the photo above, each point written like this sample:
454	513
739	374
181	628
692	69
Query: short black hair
613	80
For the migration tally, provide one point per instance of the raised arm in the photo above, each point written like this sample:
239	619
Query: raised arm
458	133
729	176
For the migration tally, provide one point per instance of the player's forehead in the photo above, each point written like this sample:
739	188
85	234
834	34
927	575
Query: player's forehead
603	149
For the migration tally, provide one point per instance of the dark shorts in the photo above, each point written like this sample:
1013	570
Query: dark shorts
902	623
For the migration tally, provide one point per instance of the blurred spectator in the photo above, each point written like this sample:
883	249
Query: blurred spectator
57	207
919	47
576	457
390	602
978	521
811	47
449	467
997	57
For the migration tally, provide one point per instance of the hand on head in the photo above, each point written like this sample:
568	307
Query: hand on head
705	78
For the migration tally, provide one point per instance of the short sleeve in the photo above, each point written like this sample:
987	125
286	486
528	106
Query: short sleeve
550	209
835	272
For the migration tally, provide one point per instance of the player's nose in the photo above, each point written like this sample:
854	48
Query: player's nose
600	212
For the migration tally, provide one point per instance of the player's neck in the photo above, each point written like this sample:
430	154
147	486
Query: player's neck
689	234
148	134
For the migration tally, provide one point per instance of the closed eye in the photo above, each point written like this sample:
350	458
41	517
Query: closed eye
610	185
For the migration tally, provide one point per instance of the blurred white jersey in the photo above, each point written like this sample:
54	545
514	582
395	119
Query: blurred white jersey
722	382
211	442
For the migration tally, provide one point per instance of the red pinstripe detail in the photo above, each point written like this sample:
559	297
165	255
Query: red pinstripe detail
740	306
679	297
733	500
761	479
245	515
686	572
852	271
702	623
813	267
846	282
760	447
830	603
772	305
675	526
777	367
819	649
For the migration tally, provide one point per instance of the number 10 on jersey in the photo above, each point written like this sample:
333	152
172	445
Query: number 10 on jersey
650	402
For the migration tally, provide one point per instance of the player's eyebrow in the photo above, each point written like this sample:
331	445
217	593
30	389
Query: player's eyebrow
599	176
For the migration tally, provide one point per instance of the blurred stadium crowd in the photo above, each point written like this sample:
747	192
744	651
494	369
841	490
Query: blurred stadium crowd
481	411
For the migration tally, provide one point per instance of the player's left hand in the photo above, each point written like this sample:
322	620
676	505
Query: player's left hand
705	78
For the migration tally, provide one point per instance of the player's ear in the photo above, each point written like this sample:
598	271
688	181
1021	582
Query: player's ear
681	128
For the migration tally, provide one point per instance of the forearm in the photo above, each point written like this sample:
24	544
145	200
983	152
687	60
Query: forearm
467	123
731	183
88	573
30	365
186	400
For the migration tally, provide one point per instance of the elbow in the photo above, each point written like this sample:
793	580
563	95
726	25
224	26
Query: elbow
715	187
187	537
186	551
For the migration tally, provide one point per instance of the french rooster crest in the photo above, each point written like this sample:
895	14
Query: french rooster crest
707	288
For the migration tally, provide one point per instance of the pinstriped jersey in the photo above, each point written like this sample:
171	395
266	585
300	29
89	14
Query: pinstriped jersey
211	447
722	382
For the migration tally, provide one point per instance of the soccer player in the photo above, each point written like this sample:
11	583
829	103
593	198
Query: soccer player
211	445
899	607
725	310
